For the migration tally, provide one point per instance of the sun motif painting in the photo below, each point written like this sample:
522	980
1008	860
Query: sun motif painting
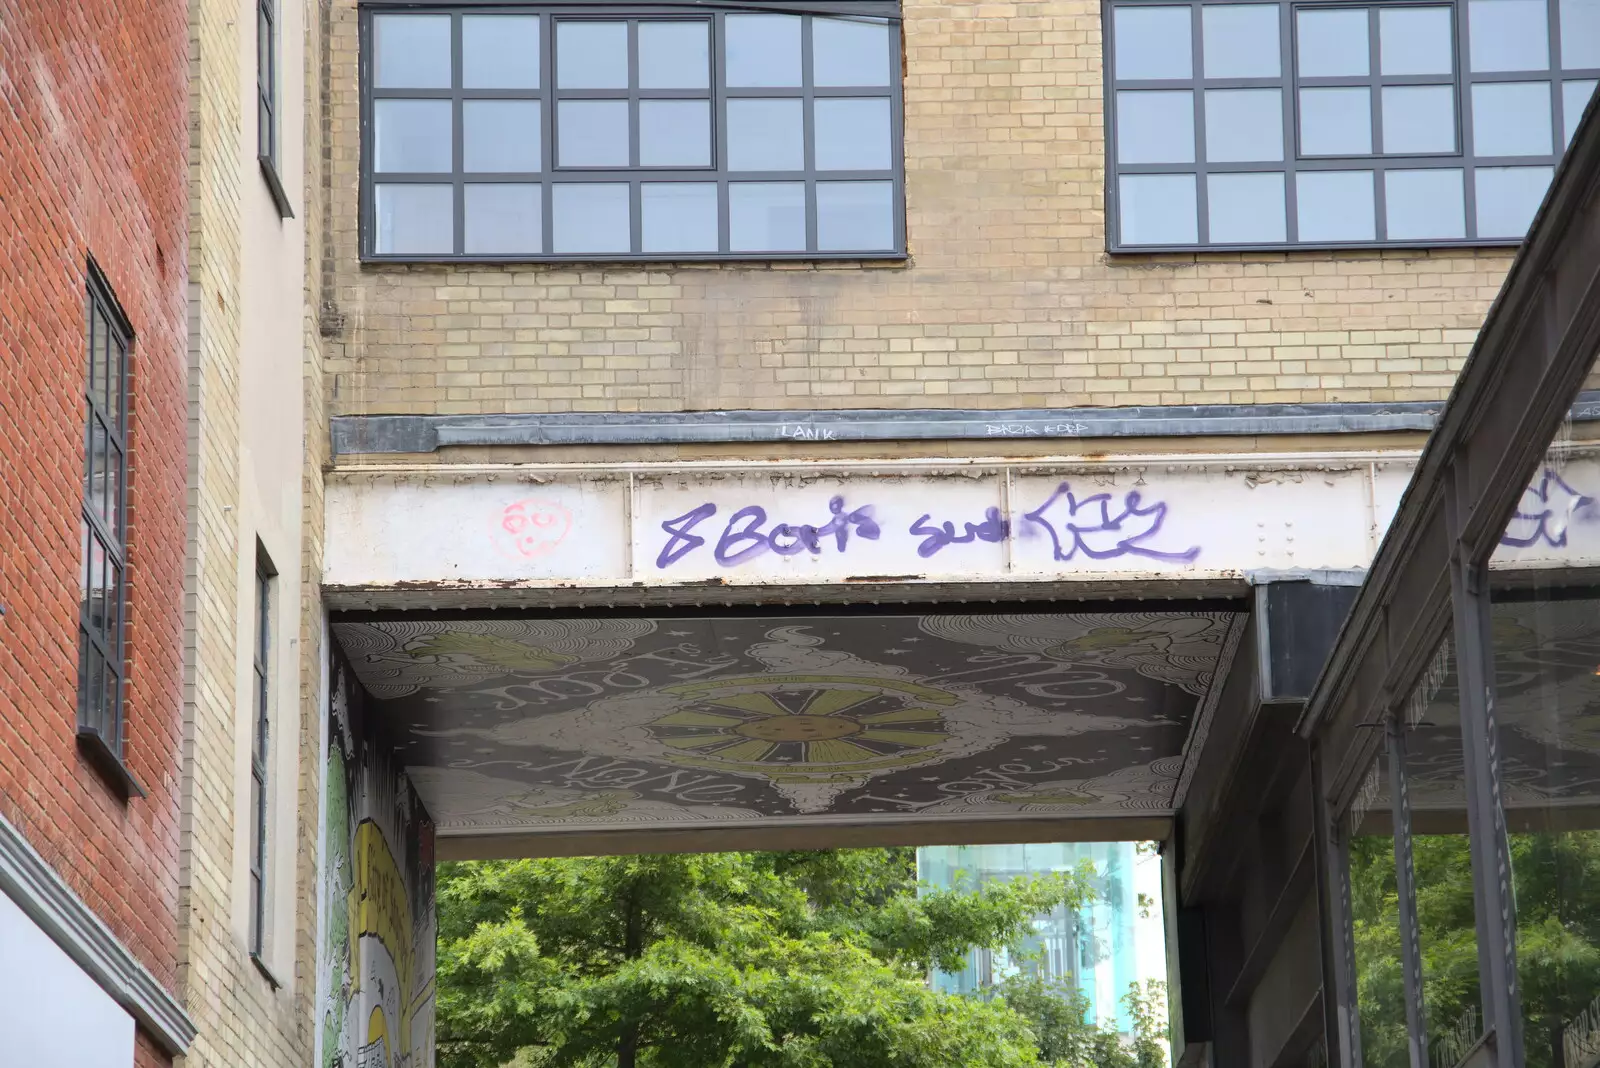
804	727
615	720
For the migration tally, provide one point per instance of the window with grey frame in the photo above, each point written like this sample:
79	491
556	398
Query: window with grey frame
267	102
102	657
640	132
1323	123
260	749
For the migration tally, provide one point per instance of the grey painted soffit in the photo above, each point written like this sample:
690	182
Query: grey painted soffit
375	434
61	914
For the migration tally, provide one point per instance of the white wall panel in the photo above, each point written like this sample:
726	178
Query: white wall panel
52	1014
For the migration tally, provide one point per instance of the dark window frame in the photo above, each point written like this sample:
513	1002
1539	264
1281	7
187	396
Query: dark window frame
547	94
102	645
1293	163
260	753
267	139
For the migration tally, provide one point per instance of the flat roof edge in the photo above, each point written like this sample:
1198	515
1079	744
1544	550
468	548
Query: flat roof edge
414	434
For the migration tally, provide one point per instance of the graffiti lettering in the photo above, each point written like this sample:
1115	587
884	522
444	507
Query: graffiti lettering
1101	529
746	534
787	540
682	542
1544	513
530	528
1029	430
992	529
807	433
752	516
1096	527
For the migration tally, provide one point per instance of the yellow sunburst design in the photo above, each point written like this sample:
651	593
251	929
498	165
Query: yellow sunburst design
802	728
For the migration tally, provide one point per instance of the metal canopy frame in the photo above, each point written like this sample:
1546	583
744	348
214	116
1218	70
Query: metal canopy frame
1429	581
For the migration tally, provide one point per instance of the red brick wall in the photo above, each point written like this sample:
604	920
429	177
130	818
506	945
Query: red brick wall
93	141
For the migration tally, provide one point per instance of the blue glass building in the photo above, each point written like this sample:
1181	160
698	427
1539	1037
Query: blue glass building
1116	940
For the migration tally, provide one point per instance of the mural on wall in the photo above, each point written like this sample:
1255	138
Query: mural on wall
512	724
1546	706
377	897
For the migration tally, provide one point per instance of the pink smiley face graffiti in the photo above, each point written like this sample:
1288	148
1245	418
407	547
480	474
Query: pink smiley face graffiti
530	528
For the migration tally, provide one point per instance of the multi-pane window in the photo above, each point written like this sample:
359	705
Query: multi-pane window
651	132
260	739
267	101
1277	123
101	657
266	81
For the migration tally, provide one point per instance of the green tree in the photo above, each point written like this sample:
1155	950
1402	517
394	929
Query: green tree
1557	882
734	960
1057	1013
1558	937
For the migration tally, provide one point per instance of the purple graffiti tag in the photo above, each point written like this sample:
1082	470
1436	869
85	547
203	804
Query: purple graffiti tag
798	539
753	517
992	529
1100	530
1544	513
682	542
788	539
841	523
746	535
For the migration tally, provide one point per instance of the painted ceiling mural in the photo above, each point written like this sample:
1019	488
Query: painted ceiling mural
1547	708
521	724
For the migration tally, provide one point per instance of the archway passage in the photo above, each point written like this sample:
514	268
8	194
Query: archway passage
609	732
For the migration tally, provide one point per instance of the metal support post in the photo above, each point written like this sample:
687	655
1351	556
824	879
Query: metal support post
1341	1027
1491	859
1406	891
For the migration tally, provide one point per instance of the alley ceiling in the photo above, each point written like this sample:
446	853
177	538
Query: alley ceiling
527	725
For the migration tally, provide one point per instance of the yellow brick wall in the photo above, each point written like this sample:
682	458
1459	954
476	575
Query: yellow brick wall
1009	299
314	653
243	1021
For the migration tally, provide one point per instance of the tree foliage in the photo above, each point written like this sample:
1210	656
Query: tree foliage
737	960
1558	938
1057	1014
